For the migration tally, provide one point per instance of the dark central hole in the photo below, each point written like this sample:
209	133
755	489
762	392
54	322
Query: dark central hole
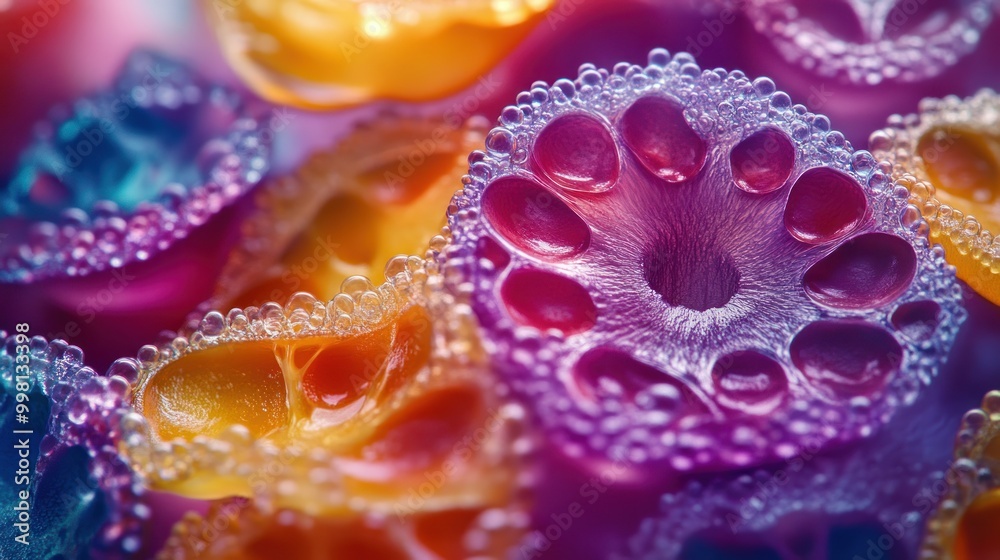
689	272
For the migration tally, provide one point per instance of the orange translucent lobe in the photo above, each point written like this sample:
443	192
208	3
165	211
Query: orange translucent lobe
977	536
961	163
346	52
205	392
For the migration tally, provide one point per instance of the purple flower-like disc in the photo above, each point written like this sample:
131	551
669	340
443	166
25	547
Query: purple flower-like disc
682	268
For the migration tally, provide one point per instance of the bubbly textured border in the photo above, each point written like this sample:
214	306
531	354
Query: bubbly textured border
885	481
107	237
897	144
86	411
360	308
971	473
905	58
716	101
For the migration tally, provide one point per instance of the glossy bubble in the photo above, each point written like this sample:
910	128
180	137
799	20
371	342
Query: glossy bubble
845	538
867	44
917	320
127	172
253	532
354	399
533	219
605	373
824	205
548	301
687	277
749	381
762	161
657	132
710	549
960	162
577	152
845	356
815	511
869	270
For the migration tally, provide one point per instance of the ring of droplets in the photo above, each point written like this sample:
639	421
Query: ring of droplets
805	507
898	144
309	474
535	352
907	57
970	475
87	411
704	509
106	236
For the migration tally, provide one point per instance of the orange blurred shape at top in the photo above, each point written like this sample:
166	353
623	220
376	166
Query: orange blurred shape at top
381	192
336	53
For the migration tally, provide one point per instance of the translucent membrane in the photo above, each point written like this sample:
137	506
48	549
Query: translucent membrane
963	525
948	158
656	130
62	418
824	205
869	42
347	52
126	173
347	404
748	378
526	214
763	161
379	193
578	152
731	282
865	271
